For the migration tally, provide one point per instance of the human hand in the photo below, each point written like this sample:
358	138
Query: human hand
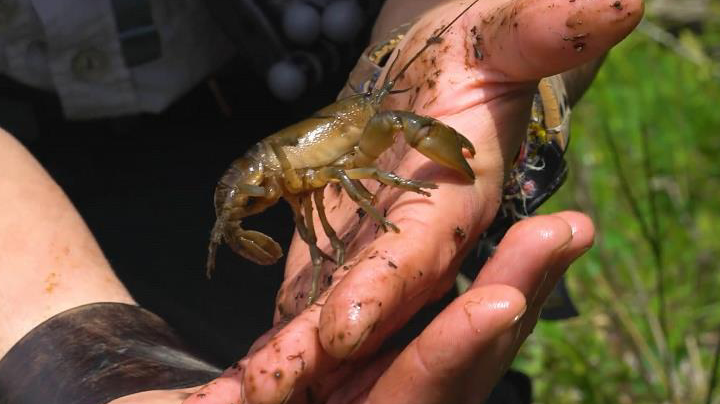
390	276
458	358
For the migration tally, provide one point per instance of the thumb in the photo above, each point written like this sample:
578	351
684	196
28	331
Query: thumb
455	359
530	39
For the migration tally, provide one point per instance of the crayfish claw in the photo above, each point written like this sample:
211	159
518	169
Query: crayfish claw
466	144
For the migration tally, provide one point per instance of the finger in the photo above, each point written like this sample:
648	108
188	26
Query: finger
363	378
287	363
402	271
551	255
583	233
543	243
280	366
526	254
456	347
225	389
531	39
379	295
557	240
530	251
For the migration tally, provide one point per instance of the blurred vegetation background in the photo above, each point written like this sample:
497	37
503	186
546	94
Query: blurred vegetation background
644	163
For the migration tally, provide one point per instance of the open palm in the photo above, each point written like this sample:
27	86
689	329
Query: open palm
480	80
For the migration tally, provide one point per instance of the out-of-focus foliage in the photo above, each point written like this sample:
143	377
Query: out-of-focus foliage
649	291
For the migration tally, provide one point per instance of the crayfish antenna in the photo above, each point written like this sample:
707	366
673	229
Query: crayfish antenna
210	264
404	90
215	240
436	38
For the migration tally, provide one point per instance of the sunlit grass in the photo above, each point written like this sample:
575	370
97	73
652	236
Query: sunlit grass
632	343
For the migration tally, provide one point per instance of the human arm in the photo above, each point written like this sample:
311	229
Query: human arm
49	260
68	326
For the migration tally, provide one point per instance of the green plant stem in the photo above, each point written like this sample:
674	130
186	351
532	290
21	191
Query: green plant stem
645	355
712	380
656	246
654	233
657	329
634	333
663	37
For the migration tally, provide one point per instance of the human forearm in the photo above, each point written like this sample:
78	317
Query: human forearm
46	250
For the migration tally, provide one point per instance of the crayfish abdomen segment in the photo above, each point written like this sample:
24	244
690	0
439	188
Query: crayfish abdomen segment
244	190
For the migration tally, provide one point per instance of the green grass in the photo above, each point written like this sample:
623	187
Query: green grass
649	290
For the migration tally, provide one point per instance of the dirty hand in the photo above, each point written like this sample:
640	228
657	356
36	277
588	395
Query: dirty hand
480	80
458	358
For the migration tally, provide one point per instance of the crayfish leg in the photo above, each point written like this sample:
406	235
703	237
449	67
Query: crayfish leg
337	244
391	179
338	174
363	191
306	230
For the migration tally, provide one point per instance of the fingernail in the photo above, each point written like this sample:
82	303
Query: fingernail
498	313
573	228
566	243
519	315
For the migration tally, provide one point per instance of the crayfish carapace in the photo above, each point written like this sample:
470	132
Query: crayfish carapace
338	144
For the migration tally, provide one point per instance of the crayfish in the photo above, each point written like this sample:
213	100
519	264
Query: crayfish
338	144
